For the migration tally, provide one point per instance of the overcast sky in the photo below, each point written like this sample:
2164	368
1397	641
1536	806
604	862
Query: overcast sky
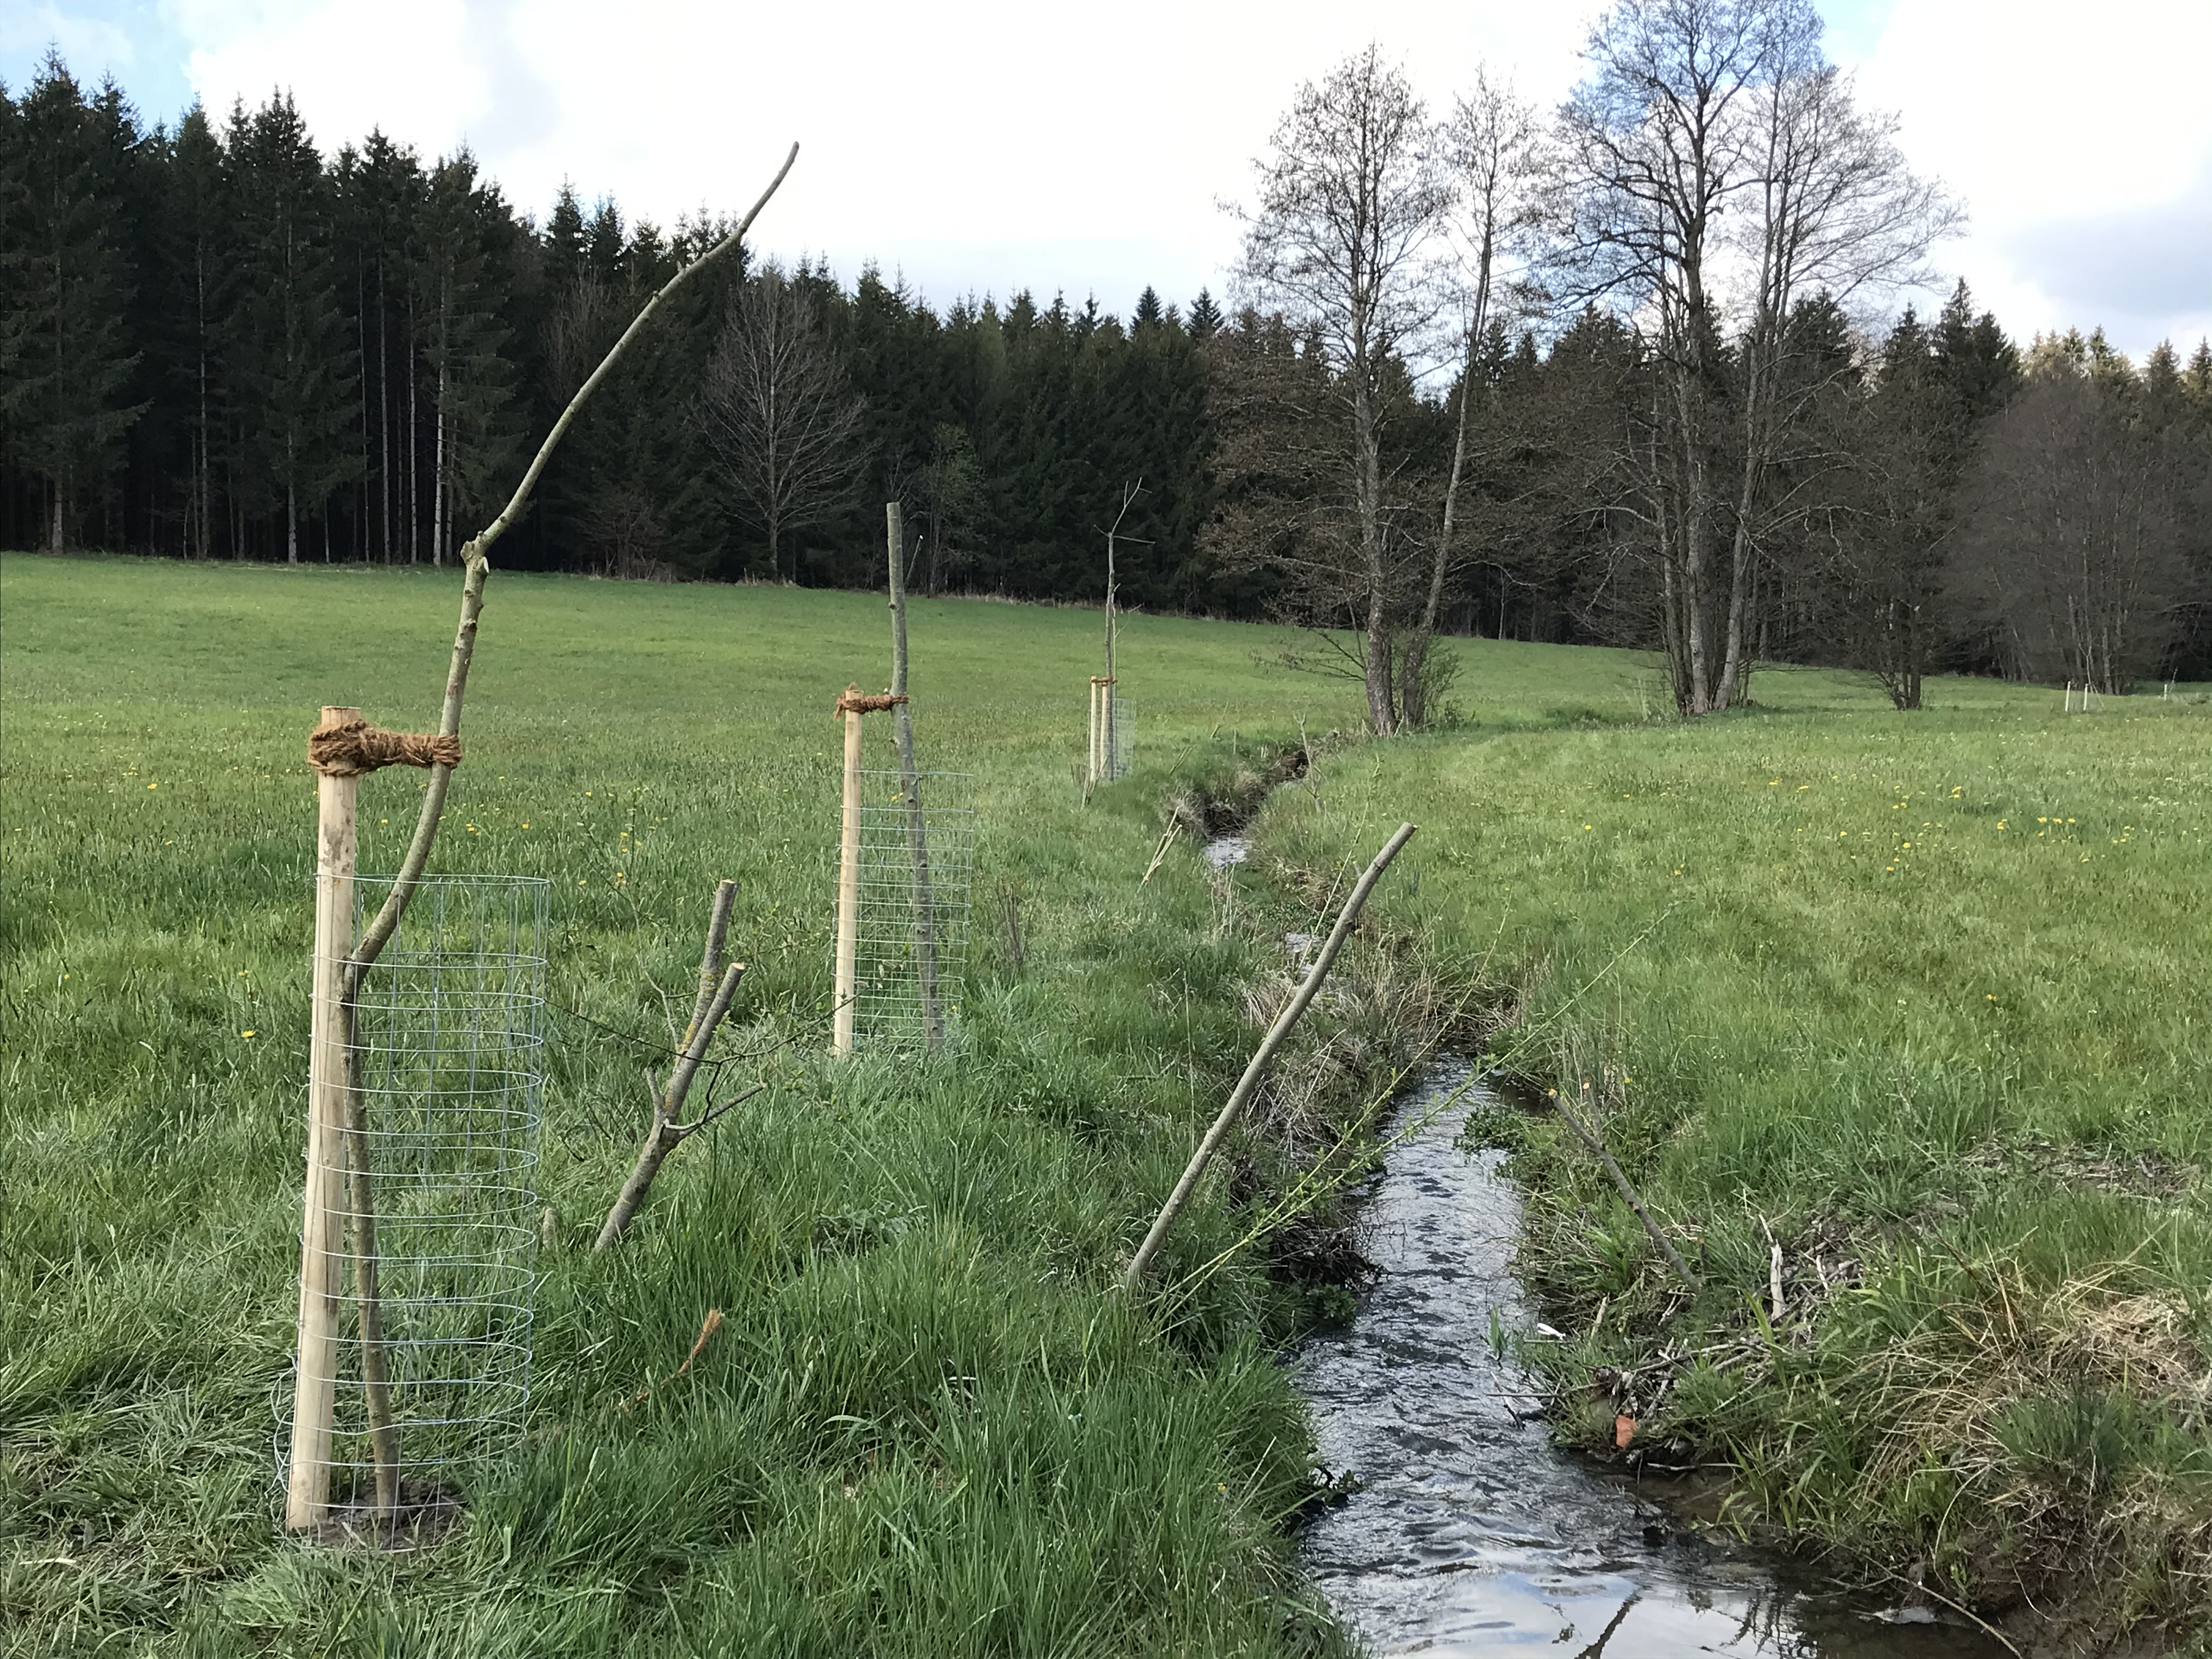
985	146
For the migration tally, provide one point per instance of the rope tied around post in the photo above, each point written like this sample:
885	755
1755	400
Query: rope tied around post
853	703
348	749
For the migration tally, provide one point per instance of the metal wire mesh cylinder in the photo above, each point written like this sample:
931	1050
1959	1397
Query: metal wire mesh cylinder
440	1195
917	856
1120	737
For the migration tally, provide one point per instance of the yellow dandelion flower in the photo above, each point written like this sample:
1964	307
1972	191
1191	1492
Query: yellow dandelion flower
245	1034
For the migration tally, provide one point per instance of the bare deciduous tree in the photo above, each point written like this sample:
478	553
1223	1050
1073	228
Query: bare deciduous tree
1695	111
1491	147
2075	550
1836	212
1344	244
776	405
1655	147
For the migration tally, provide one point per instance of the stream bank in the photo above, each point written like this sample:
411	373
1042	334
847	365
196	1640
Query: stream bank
1467	1531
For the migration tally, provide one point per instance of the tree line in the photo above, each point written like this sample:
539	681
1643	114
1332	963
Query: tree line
1720	452
1615	373
216	343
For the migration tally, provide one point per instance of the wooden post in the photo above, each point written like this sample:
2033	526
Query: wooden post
1102	736
322	1227
849	883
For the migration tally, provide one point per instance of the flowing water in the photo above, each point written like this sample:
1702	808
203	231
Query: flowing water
1470	1534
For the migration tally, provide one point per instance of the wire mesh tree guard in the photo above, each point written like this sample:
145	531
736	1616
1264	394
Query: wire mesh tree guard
1113	740
433	1256
1120	737
911	960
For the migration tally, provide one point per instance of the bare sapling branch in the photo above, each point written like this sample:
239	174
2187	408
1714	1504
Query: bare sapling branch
476	559
1585	1128
917	828
718	987
1249	1083
476	567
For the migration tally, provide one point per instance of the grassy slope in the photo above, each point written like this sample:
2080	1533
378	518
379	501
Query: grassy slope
1925	999
924	1429
895	1440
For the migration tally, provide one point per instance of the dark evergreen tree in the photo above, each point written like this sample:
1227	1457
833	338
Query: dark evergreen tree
292	354
68	356
1981	366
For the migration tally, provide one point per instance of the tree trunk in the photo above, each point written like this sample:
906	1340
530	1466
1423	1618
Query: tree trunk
383	412
438	477
1382	713
414	449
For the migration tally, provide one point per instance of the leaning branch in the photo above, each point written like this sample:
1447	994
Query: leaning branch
1249	1083
1586	1132
718	987
476	563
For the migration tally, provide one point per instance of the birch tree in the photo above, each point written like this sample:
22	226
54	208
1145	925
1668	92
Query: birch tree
1491	147
776	405
1343	243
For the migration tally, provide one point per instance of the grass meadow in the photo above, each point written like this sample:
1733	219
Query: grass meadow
1921	999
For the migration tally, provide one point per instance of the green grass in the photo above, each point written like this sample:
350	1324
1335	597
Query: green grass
926	1429
1967	1077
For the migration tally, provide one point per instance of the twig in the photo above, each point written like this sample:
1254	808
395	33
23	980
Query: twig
1249	1083
708	1327
1160	855
718	986
1589	1134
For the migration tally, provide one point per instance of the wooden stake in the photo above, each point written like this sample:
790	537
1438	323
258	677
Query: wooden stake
1249	1083
322	1226
849	887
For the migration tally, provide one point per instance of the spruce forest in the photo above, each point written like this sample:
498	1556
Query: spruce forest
218	343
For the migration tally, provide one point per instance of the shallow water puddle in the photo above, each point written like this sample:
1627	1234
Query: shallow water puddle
1224	850
1472	1533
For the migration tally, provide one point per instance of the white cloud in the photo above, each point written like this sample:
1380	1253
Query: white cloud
2072	136
998	144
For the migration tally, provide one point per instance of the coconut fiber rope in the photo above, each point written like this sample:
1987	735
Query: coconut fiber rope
352	747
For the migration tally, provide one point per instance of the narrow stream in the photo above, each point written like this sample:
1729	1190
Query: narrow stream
1471	1533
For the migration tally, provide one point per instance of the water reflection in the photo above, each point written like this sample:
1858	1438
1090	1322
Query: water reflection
1472	1534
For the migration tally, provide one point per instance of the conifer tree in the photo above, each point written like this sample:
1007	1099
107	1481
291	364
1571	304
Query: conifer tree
294	359
475	432
62	335
199	279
